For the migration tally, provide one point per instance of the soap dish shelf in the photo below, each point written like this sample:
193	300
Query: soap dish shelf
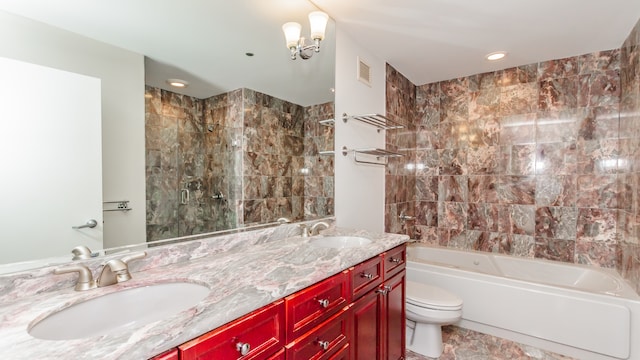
379	121
382	156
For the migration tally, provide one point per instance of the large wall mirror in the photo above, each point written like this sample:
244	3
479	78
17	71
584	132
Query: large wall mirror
243	144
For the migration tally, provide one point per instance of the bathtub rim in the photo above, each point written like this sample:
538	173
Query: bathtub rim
627	291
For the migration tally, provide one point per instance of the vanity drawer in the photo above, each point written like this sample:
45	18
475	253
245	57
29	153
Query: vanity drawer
262	330
366	276
309	307
326	341
395	260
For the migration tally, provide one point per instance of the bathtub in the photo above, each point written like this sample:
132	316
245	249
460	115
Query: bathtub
578	311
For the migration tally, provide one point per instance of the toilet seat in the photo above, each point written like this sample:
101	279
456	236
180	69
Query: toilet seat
431	297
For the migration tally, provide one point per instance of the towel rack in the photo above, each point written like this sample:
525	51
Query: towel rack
379	154
326	153
122	205
379	121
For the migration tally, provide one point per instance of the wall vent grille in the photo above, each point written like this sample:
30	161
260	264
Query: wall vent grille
364	72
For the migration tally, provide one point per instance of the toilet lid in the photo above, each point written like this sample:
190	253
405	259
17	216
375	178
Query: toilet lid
431	297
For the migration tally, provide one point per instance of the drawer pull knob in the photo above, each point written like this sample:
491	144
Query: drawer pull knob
243	348
395	260
366	275
323	344
324	303
384	290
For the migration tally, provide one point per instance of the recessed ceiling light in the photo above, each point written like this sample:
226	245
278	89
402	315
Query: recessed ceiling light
496	55
177	83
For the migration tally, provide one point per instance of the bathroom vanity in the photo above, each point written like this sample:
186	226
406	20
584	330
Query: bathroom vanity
355	314
274	295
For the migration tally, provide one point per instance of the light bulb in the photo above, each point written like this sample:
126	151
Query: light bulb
318	22
292	33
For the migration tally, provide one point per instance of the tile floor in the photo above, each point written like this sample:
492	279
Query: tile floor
463	344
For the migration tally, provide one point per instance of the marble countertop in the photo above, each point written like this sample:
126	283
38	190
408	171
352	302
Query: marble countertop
241	280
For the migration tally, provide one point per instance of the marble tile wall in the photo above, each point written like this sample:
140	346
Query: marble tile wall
532	161
400	179
629	221
319	181
248	146
175	163
273	156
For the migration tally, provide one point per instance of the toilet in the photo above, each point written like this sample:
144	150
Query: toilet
428	308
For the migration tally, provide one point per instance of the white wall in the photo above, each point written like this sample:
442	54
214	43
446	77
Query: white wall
122	76
359	189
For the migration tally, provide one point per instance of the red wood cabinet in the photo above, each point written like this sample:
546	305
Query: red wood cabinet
394	329
395	260
378	315
367	341
278	356
366	276
323	341
258	335
308	308
320	322
343	354
167	355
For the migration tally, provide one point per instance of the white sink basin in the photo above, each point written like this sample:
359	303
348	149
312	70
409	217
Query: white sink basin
136	306
339	242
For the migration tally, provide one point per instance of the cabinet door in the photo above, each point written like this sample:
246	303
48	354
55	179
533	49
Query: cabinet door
261	331
368	320
395	317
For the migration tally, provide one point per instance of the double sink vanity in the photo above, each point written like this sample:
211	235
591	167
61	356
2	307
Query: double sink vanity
183	300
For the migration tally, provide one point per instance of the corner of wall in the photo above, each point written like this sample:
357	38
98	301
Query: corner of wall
359	189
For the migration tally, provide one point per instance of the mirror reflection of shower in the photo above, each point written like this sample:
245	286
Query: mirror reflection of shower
233	160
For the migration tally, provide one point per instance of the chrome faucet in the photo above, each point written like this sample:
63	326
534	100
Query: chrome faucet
117	270
309	231
113	272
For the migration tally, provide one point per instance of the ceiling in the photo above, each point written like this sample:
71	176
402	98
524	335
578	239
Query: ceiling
202	41
205	41
433	40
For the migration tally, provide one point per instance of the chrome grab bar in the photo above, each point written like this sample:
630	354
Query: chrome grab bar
91	223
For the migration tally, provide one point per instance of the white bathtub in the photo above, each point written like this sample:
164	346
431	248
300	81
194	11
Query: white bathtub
579	311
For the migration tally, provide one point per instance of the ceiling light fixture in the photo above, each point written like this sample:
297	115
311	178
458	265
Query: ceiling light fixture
177	83
296	44
496	55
